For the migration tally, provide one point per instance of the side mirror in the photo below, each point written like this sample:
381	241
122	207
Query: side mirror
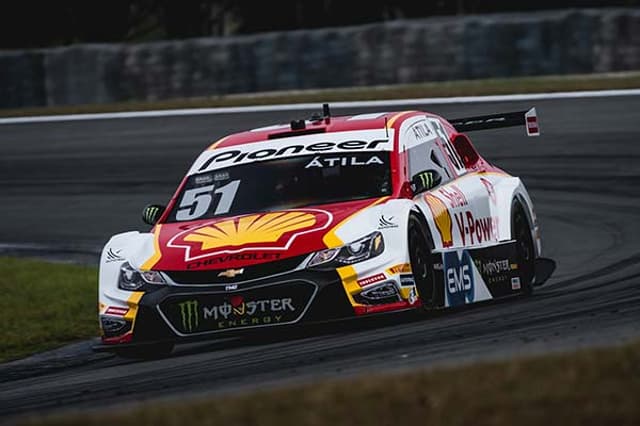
152	213
425	181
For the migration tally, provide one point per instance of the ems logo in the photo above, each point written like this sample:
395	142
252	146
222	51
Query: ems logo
262	232
459	280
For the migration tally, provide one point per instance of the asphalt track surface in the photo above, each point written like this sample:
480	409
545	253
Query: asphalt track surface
72	184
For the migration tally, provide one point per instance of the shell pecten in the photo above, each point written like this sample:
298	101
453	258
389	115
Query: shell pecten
260	228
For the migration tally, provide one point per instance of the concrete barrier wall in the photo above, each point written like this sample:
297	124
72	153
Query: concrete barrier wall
442	48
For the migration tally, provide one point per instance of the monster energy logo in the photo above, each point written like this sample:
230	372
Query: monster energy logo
426	179
150	214
189	313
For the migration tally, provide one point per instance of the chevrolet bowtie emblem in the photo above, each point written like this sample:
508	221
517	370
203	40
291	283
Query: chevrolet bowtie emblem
230	273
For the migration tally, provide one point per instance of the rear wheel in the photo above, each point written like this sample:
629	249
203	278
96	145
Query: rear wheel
525	252
150	351
421	262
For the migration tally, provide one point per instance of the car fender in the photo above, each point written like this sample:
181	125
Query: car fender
133	247
509	189
521	195
389	218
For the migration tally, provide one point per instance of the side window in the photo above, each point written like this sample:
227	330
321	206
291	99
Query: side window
423	152
446	145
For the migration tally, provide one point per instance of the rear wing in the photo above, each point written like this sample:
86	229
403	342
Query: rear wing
529	119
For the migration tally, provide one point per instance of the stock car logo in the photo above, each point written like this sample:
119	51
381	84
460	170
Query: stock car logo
442	218
264	232
114	256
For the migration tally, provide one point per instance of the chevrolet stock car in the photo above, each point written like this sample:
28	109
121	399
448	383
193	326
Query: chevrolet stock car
323	219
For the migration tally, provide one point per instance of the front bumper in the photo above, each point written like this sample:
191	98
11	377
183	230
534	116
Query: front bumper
188	312
197	311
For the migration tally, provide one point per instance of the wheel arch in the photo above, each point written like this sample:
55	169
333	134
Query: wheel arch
417	212
522	198
437	291
121	248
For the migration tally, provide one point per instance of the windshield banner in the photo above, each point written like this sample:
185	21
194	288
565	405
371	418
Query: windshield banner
353	141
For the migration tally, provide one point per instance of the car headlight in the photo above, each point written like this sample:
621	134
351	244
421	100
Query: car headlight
132	279
357	251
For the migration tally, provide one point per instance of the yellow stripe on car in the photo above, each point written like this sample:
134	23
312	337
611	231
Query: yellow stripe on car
349	278
331	240
402	268
215	144
395	118
133	302
157	254
348	274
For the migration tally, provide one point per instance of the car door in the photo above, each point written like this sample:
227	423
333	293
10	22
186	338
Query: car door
460	209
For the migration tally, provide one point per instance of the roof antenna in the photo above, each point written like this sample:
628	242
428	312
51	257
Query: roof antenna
326	112
386	125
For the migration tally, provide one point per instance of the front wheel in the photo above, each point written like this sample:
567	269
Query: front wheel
421	262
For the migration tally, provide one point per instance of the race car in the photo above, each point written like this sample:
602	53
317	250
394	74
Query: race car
323	219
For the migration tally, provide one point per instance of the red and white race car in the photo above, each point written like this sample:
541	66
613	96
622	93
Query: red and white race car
322	219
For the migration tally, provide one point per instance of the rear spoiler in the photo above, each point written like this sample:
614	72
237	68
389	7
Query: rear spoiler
529	119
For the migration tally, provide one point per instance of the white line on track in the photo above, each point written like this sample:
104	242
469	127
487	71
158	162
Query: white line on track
313	106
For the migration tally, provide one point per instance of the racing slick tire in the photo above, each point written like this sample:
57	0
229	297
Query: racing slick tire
525	252
149	351
421	262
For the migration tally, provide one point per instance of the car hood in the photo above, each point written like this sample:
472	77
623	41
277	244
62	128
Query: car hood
245	240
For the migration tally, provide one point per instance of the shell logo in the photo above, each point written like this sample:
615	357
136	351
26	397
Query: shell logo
267	228
442	218
265	231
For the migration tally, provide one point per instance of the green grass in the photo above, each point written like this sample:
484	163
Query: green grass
44	305
594	387
624	80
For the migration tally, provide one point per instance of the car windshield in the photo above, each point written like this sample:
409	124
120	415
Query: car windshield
283	184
